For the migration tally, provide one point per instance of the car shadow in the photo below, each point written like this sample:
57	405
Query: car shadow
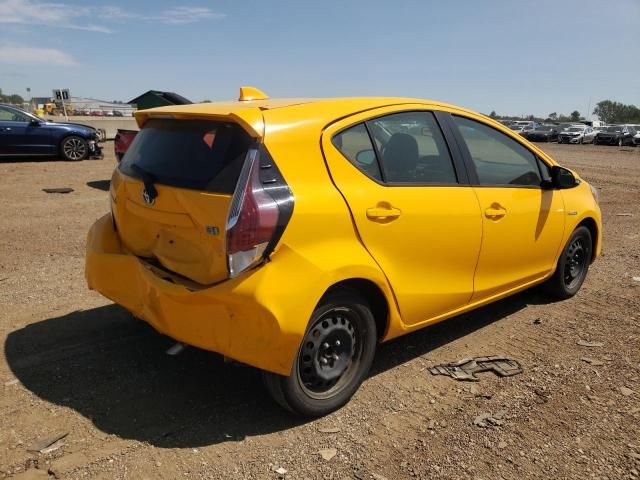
100	184
113	370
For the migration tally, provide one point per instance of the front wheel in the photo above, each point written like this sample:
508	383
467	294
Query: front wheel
334	358
572	266
74	148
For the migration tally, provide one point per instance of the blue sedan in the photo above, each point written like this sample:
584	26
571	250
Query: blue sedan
26	135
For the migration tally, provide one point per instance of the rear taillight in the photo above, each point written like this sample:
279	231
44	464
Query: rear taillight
260	209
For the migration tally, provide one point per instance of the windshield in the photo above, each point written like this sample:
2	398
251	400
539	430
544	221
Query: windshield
515	127
614	129
575	129
545	129
196	154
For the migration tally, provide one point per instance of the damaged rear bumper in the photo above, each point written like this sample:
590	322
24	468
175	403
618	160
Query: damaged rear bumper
227	318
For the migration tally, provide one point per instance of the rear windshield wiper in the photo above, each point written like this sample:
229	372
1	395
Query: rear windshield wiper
148	179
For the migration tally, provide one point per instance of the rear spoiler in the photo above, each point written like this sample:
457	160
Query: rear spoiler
249	118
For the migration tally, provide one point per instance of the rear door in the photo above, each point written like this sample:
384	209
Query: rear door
172	193
411	205
523	223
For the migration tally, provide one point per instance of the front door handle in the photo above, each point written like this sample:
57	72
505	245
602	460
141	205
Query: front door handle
383	212
495	212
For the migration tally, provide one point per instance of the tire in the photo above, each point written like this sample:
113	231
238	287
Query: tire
620	142
74	148
572	266
581	141
334	358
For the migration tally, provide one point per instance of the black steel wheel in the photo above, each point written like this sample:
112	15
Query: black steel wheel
74	148
573	265
329	351
334	358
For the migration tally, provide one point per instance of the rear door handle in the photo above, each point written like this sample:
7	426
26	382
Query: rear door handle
383	212
495	211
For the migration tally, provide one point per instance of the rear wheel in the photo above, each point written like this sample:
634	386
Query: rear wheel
572	266
333	360
74	148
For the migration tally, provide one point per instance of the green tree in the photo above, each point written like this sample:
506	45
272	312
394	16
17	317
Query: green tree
575	116
493	114
616	112
553	116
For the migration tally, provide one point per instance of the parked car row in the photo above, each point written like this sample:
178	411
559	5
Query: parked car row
103	113
620	135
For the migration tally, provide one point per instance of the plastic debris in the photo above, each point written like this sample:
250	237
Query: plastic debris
43	443
585	343
327	453
466	369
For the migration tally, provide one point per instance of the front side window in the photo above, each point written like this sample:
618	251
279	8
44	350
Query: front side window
355	144
412	149
11	115
498	159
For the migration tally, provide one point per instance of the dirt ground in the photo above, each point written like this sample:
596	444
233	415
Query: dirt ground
73	363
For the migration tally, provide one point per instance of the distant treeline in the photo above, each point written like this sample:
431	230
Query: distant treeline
607	110
13	99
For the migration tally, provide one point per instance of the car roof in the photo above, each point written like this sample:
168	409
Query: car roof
272	111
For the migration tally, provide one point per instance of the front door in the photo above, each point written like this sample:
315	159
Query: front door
20	136
419	223
522	222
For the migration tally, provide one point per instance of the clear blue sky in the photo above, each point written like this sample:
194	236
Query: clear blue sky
514	57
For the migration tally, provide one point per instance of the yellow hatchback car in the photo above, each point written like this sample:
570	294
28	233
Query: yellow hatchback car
295	234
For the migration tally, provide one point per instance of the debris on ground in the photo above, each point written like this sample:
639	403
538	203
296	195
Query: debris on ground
42	444
58	190
626	391
327	453
624	214
466	369
586	343
592	361
486	420
280	470
8	383
329	430
635	279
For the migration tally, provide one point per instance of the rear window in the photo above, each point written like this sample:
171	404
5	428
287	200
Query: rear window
195	154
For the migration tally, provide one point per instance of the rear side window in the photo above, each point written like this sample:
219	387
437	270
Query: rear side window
355	144
498	159
195	154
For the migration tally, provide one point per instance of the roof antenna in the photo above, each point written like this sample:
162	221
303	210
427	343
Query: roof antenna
251	93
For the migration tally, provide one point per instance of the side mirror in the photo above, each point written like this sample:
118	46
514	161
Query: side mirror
561	178
366	157
35	123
